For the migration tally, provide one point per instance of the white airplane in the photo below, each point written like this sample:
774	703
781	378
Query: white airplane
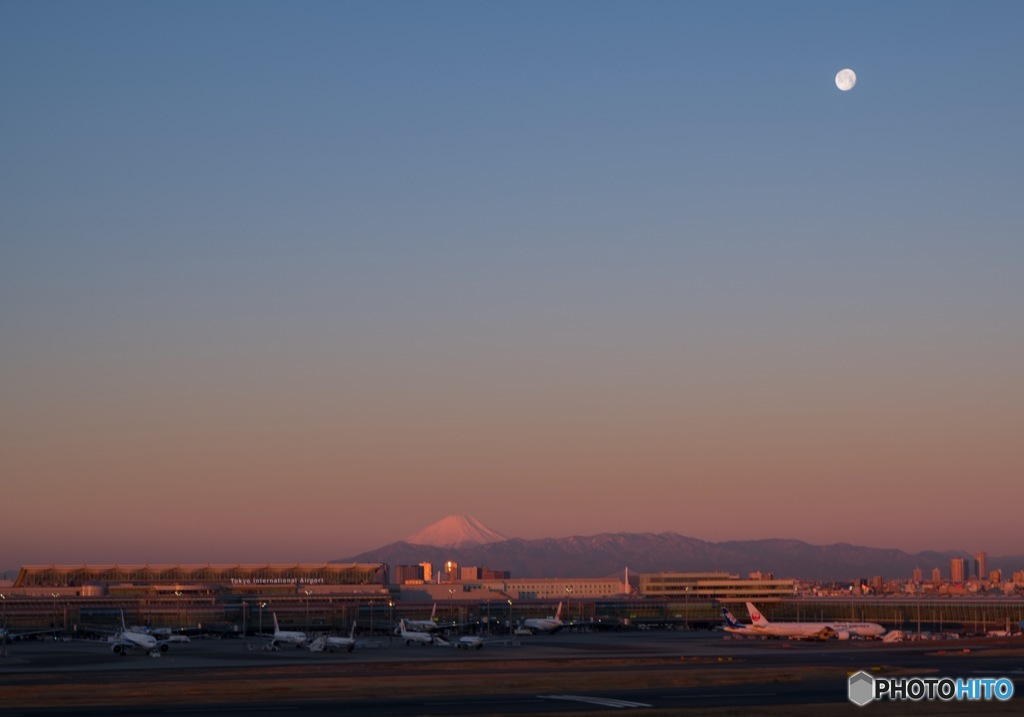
424	625
734	626
136	639
838	629
330	643
8	636
470	641
545	624
287	637
419	637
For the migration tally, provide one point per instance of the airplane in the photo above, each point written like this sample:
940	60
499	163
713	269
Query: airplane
287	637
734	626
424	625
470	641
330	643
420	637
839	630
8	636
135	639
550	625
164	634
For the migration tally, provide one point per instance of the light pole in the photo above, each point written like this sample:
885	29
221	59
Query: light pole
308	593
451	605
3	638
686	602
510	635
55	596
262	605
391	621
568	603
184	621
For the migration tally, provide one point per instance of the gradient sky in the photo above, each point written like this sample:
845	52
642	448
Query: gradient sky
287	281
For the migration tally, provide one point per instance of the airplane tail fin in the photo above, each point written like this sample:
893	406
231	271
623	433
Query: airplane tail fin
352	632
755	616
124	628
558	612
433	612
276	627
729	619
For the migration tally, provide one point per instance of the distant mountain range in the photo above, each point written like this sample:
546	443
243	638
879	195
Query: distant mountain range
470	543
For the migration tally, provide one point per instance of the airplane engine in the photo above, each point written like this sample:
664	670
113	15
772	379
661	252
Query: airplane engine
842	635
118	649
164	647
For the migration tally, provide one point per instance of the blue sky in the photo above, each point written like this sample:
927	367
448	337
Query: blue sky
472	253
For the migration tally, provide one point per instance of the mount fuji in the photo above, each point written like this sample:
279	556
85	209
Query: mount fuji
456	531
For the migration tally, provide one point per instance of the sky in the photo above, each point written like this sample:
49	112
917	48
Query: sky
287	281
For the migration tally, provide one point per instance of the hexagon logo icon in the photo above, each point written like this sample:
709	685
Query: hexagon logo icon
861	688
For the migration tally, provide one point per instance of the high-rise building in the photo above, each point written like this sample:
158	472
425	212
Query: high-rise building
936	576
981	565
917	575
956	570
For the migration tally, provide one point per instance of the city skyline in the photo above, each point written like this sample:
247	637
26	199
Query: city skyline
287	282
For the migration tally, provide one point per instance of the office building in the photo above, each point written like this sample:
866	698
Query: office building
981	565
956	570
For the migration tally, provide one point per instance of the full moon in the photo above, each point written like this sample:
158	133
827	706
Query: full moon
846	79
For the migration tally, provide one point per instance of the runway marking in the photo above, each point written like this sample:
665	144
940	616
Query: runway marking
200	708
482	701
602	701
723	694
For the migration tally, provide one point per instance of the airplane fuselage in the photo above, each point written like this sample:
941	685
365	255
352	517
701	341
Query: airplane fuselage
288	637
415	636
837	629
543	624
131	640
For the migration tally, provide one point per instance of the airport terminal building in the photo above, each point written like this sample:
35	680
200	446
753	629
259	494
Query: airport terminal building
714	586
238	578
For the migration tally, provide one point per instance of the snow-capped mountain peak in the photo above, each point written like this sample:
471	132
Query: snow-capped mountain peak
456	531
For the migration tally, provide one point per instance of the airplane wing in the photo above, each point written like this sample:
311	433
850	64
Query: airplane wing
12	636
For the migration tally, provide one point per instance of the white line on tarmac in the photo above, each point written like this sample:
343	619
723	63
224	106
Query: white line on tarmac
602	701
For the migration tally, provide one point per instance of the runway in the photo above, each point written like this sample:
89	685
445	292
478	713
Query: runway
600	673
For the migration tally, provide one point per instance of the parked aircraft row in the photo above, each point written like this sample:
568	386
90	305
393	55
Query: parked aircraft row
836	629
144	639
